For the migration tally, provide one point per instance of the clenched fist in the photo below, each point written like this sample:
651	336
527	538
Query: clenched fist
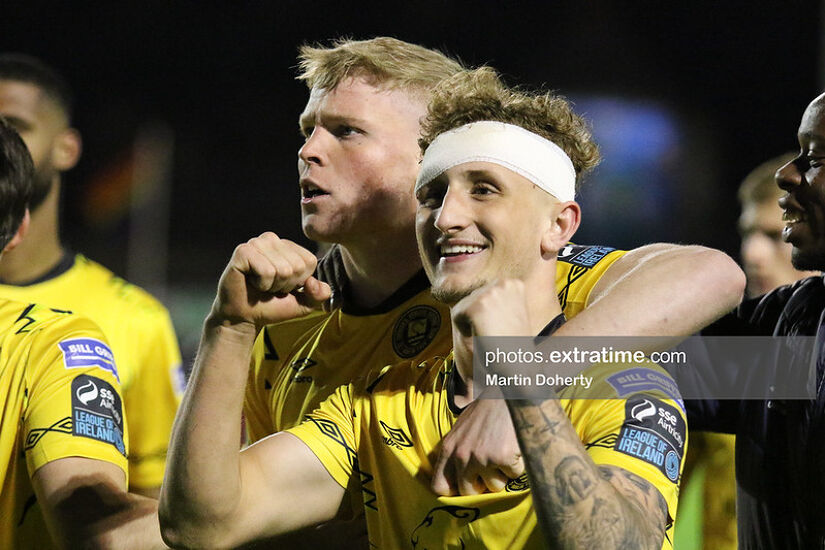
268	279
496	309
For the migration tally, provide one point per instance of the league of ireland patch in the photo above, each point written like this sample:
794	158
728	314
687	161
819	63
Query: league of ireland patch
654	432
97	411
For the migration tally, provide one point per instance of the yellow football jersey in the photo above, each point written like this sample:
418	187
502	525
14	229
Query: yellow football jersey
710	466
60	398
143	340
296	364
385	431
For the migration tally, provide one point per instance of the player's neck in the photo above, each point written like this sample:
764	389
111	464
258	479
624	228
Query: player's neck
377	269
40	250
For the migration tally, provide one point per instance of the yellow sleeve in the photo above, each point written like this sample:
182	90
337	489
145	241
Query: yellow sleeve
645	434
578	269
330	433
153	398
257	420
74	405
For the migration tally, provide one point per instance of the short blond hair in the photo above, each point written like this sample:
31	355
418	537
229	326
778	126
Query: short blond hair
480	94
384	61
760	184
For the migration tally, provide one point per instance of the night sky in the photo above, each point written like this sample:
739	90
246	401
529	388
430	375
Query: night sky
221	76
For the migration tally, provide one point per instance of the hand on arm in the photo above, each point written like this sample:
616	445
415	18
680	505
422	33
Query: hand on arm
481	452
207	494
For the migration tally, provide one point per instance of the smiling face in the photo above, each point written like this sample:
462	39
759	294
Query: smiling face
359	162
478	222
804	181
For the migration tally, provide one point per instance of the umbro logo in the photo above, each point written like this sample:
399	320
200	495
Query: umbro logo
395	436
302	364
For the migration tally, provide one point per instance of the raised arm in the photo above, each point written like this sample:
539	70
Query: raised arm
655	290
660	290
212	494
579	504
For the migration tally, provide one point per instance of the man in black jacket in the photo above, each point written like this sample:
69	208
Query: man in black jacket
780	444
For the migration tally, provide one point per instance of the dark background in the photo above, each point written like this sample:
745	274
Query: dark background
221	75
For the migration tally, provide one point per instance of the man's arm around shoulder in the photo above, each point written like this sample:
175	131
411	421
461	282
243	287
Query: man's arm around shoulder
660	290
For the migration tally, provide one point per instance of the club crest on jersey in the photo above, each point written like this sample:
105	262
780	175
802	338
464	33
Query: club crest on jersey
97	411
87	352
414	330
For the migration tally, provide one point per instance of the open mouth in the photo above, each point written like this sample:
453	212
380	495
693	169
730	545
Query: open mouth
796	227
310	191
793	216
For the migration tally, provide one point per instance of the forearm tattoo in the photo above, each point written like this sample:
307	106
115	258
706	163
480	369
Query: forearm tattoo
579	504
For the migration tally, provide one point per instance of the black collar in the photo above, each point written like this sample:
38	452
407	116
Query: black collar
415	285
65	264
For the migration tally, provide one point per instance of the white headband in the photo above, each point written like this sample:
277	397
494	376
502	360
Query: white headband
538	159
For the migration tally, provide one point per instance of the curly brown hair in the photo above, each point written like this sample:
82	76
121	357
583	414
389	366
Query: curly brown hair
383	60
480	94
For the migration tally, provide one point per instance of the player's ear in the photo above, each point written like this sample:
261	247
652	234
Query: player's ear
561	230
21	232
66	150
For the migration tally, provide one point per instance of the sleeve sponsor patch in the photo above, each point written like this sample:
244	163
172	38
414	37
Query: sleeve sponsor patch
654	432
585	256
88	352
179	379
97	412
640	379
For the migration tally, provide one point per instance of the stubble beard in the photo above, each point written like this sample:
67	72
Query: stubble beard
452	296
41	187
